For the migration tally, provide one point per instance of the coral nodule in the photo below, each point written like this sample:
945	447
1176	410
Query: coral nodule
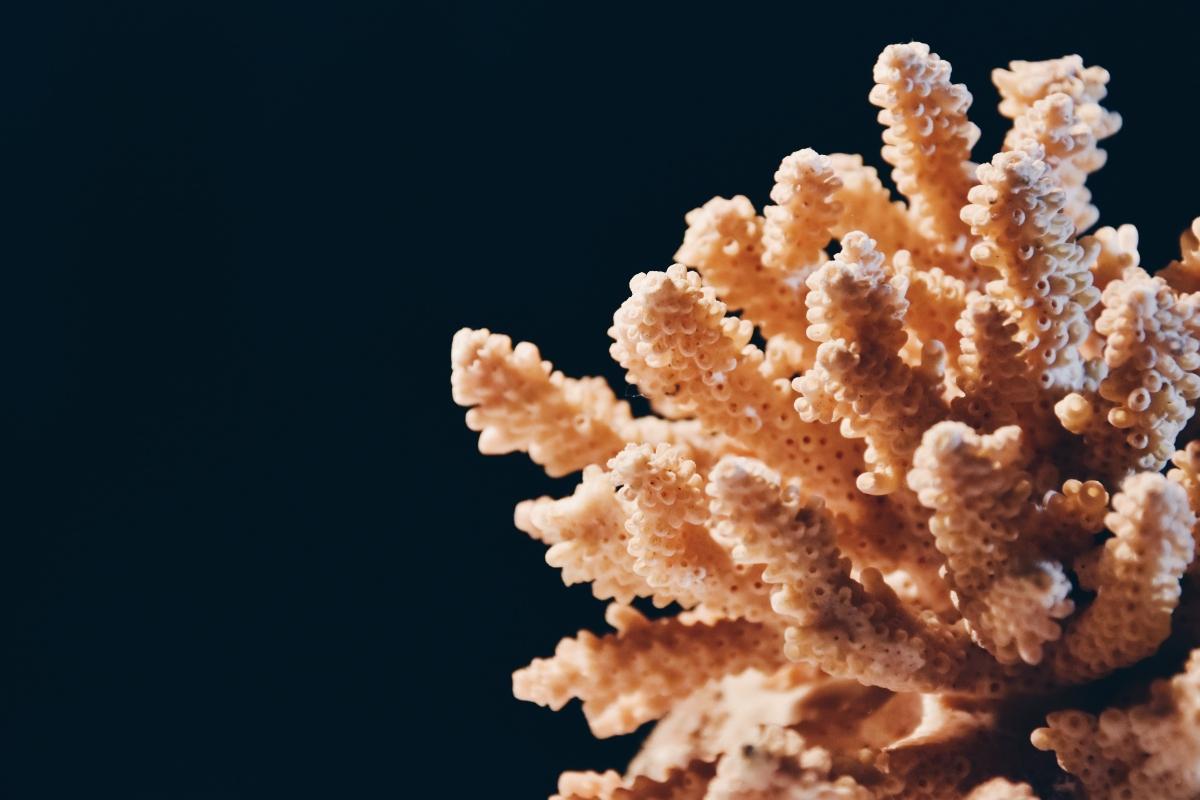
922	545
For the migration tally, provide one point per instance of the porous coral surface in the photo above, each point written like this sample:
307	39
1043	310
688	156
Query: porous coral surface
922	544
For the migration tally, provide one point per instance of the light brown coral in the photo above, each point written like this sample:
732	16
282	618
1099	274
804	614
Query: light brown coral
724	242
1150	750
1183	274
1152	355
846	627
996	384
797	228
889	537
520	403
928	141
587	539
1135	576
979	490
867	205
1057	102
636	674
1016	210
1117	251
674	339
857	312
665	508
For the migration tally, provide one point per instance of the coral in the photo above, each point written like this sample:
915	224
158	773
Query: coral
1057	103
1117	252
1149	750
1016	211
1151	354
1183	274
857	312
922	535
928	141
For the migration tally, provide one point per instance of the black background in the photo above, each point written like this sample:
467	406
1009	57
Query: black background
251	550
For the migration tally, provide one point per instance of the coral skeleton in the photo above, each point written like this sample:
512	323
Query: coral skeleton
924	542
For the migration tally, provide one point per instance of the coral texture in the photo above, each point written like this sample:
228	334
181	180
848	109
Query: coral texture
920	545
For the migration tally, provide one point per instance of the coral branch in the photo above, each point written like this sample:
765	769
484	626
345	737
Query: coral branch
978	489
867	205
860	380
1151	750
588	541
665	506
636	674
1026	86
674	339
797	228
935	301
1187	475
927	140
998	387
1069	150
685	783
1117	252
520	403
1152	354
724	242
1135	576
848	628
1017	212
1183	274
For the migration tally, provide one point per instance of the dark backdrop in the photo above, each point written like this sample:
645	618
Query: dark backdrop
251	550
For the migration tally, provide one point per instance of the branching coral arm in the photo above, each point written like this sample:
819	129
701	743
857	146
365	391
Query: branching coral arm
666	508
1149	750
1069	149
724	242
1016	210
979	490
859	380
777	764
1153	355
684	783
1025	84
1136	578
798	227
845	627
867	205
996	382
1117	252
1183	274
520	403
1069	518
635	675
935	300
1187	474
674	340
588	541
927	140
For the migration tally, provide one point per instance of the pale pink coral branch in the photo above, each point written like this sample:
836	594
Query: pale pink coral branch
639	672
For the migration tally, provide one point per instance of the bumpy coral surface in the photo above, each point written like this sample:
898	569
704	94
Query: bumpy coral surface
922	544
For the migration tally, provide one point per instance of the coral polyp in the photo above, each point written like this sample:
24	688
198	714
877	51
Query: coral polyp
925	542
